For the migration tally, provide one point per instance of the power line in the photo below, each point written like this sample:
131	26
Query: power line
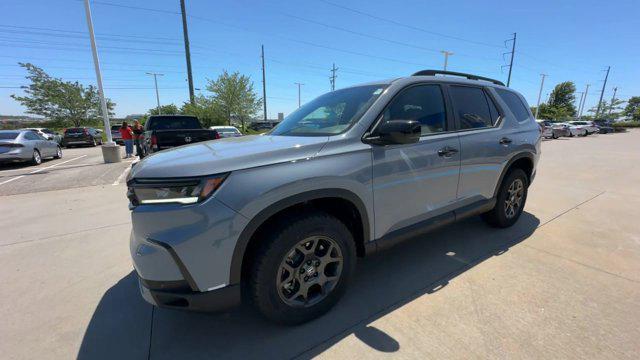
602	93
155	81
332	78
264	86
512	52
405	25
446	58
187	52
540	94
299	85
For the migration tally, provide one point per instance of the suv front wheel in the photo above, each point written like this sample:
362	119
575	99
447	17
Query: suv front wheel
510	201
302	268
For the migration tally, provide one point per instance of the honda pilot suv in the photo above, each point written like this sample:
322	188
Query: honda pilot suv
279	219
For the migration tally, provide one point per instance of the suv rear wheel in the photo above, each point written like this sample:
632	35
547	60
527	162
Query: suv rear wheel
510	201
302	268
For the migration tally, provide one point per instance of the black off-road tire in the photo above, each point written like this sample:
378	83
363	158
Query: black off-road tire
497	217
278	241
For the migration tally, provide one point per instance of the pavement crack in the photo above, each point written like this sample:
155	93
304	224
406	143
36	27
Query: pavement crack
568	210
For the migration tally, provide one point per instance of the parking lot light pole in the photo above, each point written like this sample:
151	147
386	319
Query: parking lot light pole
110	150
155	81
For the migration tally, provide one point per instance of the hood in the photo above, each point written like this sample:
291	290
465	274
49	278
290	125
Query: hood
227	154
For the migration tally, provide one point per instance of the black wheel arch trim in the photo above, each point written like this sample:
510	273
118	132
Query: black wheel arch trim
518	156
253	225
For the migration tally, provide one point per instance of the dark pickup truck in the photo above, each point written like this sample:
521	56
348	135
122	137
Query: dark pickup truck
167	131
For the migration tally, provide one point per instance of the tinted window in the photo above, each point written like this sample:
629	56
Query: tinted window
30	135
173	123
423	103
74	131
8	135
514	103
471	107
331	113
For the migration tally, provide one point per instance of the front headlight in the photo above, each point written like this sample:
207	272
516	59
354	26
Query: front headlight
179	190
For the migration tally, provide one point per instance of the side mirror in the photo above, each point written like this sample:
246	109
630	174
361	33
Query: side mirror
396	132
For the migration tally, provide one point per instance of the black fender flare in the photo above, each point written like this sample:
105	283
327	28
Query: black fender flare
516	157
235	273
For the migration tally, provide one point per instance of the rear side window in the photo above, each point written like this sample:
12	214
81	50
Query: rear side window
515	104
8	135
423	103
31	136
471	107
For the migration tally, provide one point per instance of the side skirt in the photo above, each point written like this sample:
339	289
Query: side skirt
412	231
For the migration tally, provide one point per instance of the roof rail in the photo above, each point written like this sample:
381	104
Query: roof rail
453	73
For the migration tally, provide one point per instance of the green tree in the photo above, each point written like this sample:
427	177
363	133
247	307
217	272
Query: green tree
170	109
632	109
562	98
206	109
69	103
608	110
234	95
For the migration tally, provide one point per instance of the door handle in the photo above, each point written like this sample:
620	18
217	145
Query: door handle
505	141
447	151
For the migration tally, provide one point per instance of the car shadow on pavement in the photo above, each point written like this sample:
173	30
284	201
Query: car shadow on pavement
120	327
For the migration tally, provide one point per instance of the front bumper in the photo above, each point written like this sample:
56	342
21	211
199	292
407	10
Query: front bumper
189	243
177	295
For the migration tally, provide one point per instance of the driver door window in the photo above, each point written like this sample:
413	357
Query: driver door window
422	103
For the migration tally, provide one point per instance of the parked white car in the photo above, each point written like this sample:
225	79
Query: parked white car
576	130
226	131
589	126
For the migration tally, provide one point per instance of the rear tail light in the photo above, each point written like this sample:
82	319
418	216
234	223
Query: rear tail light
154	141
217	135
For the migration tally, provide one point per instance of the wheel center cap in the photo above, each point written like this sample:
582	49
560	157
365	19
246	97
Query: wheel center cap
309	270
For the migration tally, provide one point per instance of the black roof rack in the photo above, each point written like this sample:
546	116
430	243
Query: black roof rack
453	73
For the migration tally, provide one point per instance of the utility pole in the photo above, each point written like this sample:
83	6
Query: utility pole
446	58
540	94
110	152
187	52
155	80
613	98
264	86
299	84
579	103
602	93
333	76
586	92
513	52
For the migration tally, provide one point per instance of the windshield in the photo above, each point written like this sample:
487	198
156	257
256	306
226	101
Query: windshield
329	114
75	131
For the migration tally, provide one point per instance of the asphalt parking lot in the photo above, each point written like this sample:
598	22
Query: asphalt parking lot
564	282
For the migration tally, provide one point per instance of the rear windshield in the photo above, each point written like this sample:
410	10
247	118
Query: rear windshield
115	127
228	131
74	131
8	135
173	123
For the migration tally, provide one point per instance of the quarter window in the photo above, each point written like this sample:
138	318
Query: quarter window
515	104
471	107
423	103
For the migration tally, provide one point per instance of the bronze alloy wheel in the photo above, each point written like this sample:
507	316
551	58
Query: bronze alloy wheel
309	271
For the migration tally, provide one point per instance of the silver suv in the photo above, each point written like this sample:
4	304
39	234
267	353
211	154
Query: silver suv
280	219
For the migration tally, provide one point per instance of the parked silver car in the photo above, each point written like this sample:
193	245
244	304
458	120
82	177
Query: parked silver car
47	134
280	218
226	131
26	146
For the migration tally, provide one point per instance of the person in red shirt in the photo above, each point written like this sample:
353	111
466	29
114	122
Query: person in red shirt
127	136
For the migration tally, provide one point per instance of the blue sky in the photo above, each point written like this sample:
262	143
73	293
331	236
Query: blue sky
568	40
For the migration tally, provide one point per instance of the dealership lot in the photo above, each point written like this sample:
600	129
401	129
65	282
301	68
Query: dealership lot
563	283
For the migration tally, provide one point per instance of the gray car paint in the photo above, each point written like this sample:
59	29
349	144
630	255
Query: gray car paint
47	148
399	185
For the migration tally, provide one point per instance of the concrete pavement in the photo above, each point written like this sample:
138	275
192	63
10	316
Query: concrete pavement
564	282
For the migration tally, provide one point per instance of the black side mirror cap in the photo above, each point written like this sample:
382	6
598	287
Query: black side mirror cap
396	132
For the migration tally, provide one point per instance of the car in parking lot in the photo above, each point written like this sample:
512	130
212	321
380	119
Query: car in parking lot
81	136
163	132
280	218
26	146
47	134
116	135
226	131
551	130
576	130
604	126
588	126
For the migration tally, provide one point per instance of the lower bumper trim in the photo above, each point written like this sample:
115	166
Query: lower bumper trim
209	301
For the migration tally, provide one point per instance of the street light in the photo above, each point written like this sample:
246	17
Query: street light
110	150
